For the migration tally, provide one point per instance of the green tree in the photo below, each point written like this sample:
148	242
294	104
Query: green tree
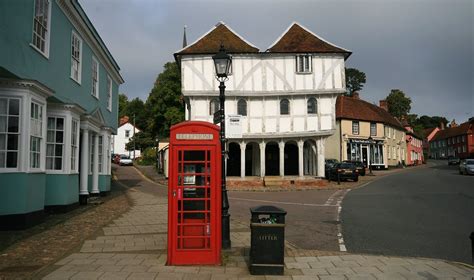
355	80
123	102
399	104
164	104
136	108
140	141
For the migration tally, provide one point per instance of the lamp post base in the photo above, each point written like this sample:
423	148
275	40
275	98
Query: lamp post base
226	243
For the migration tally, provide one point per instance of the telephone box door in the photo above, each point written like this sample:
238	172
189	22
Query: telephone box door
194	233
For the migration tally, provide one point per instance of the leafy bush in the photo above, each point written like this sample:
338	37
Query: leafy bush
148	157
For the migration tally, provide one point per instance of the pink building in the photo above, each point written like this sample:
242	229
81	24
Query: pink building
414	147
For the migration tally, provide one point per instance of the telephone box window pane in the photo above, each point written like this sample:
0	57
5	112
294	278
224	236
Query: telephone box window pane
194	155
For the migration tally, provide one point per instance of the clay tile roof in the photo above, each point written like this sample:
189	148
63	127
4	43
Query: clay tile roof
298	39
123	120
461	129
357	109
210	42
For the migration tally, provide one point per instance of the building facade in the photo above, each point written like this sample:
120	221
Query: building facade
415	154
454	141
58	109
125	132
366	133
284	98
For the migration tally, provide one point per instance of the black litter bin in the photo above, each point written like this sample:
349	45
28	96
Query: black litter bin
267	241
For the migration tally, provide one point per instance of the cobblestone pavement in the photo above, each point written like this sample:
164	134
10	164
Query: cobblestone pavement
133	246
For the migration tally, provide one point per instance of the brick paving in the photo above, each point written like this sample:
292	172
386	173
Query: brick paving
133	246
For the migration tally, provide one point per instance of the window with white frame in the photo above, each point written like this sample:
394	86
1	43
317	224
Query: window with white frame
41	24
74	143
127	133
463	139
463	148
101	152
55	143
76	57
373	129
36	134
95	78
355	127
109	93
303	63
9	131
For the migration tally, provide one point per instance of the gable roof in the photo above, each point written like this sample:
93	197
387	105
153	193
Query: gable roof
357	109
211	41
462	129
299	39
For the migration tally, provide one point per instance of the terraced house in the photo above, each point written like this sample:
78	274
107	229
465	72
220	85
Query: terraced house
284	96
58	109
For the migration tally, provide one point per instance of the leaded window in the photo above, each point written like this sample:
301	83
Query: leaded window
242	107
284	107
312	106
55	143
9	131
303	64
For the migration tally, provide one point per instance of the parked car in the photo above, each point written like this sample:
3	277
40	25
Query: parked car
453	161
113	157
359	165
344	170
466	167
125	160
328	163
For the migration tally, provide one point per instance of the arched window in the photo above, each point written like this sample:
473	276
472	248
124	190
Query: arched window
242	107
213	106
284	107
312	106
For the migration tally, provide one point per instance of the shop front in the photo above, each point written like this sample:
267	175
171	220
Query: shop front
369	151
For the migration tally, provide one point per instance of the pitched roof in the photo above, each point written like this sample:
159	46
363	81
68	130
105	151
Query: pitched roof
357	109
461	129
298	39
210	42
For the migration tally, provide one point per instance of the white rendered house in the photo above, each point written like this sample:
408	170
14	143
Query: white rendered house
285	97
125	132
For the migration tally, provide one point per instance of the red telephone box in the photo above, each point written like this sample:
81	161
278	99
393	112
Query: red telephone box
194	194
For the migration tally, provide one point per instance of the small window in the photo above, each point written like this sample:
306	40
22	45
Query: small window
36	134
242	107
109	93
284	107
95	78
373	129
55	143
355	127
127	133
213	106
76	57
74	144
41	25
312	109
303	64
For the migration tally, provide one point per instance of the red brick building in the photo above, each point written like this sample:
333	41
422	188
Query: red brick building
414	146
459	139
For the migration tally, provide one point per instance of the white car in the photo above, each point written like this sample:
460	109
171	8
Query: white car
125	160
466	166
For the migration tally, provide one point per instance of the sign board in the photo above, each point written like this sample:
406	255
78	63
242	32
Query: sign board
194	136
218	117
233	126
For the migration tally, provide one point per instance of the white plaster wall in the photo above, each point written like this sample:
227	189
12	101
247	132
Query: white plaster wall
119	140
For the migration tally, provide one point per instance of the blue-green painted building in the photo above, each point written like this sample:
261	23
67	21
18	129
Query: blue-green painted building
58	109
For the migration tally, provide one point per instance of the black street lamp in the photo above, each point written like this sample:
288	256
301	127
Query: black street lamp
372	146
222	62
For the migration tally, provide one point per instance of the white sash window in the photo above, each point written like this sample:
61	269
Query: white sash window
55	143
76	57
9	131
36	134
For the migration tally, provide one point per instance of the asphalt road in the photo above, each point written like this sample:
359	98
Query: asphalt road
425	212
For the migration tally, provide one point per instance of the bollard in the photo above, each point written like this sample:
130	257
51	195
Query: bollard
472	246
338	178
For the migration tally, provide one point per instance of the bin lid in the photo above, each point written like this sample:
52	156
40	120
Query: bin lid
267	209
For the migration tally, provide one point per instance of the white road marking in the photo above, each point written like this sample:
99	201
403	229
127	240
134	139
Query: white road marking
340	238
282	202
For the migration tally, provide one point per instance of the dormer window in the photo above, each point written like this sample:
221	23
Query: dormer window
303	63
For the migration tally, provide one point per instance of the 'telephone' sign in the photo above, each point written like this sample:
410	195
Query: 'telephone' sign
194	136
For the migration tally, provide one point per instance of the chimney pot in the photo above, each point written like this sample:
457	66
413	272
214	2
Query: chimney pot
383	104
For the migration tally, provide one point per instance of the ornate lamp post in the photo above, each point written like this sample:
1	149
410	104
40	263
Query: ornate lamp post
222	62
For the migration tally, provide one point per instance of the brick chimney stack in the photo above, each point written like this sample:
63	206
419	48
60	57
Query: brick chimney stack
383	104
441	125
355	95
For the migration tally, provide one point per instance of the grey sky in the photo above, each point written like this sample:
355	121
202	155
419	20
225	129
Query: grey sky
425	48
